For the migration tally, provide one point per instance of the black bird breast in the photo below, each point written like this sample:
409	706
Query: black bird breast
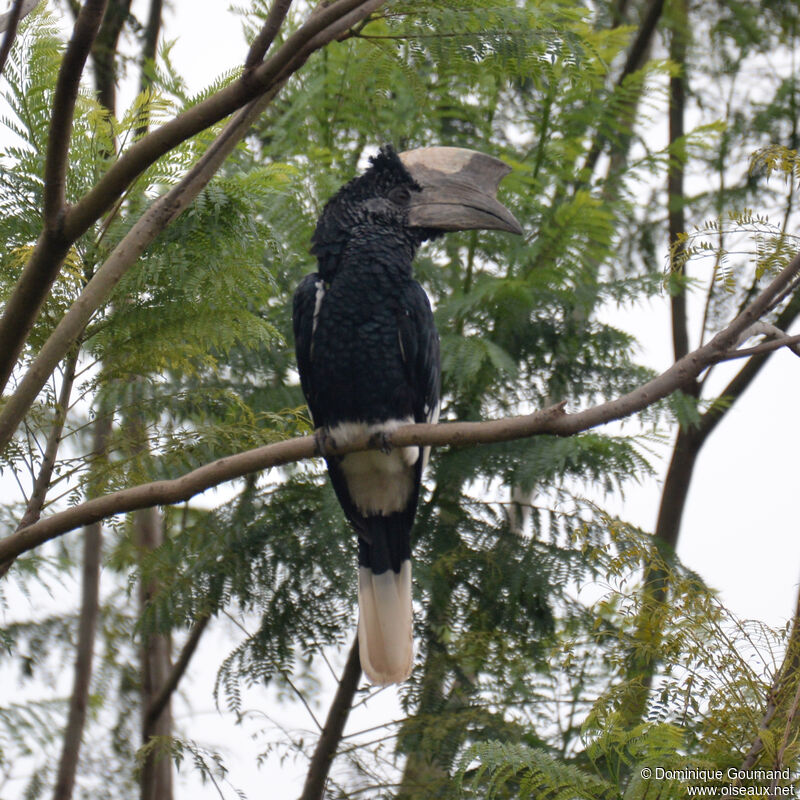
358	368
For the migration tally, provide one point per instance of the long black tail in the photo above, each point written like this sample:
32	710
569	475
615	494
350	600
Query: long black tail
385	634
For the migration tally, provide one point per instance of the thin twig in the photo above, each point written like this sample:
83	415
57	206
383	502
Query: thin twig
790	342
302	699
42	483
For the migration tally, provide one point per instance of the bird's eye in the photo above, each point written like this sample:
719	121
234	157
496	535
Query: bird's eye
400	195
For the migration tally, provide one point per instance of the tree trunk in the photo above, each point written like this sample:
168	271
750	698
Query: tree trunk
156	650
675	194
643	662
87	627
331	736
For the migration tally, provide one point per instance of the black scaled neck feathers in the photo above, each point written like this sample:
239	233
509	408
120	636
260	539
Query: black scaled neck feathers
369	213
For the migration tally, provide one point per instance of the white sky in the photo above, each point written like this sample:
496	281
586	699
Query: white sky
740	529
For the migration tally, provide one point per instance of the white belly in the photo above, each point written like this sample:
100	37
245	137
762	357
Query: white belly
379	483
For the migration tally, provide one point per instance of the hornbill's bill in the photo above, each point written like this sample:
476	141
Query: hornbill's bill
368	357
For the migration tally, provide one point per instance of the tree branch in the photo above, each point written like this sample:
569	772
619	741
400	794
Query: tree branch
151	33
9	22
317	31
267	34
25	302
66	94
675	192
748	373
331	735
162	698
42	482
104	53
553	420
769	346
97	291
155	776
79	699
39	273
13	16
634	62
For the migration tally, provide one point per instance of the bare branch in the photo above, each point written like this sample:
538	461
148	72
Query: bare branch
331	735
165	692
791	342
9	22
167	492
317	31
553	420
751	368
675	191
761	327
79	699
266	36
66	94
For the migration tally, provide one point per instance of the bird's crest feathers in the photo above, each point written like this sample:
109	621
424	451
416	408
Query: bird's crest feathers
379	194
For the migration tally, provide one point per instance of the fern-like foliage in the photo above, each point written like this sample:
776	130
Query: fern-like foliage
703	713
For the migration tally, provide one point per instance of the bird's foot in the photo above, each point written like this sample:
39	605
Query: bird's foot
380	441
323	442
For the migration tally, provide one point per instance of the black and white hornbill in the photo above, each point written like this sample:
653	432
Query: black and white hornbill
368	356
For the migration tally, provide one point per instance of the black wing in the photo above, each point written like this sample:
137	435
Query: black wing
305	302
419	346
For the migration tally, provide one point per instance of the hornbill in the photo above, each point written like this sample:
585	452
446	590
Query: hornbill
368	357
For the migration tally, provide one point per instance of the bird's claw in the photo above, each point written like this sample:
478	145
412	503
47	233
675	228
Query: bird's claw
380	441
323	442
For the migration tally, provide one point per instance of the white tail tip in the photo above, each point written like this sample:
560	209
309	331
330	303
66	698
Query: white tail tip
385	637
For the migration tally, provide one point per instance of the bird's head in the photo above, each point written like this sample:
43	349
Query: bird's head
416	194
